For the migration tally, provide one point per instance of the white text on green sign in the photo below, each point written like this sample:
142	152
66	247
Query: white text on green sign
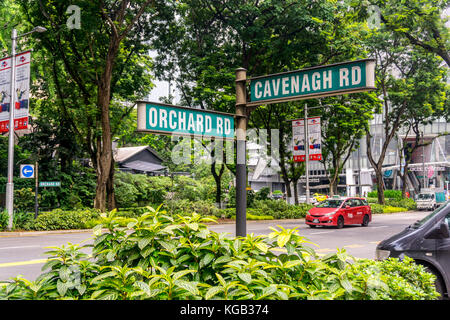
50	184
168	119
308	83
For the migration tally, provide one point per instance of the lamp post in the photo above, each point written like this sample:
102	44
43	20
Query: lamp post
10	185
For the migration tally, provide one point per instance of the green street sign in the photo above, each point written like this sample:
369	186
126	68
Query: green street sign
50	184
168	119
322	81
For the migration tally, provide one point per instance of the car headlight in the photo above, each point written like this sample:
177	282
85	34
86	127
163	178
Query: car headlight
382	254
330	214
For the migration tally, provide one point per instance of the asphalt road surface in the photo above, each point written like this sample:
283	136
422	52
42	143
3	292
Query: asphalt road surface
24	255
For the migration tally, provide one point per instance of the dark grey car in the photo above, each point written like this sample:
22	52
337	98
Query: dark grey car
427	241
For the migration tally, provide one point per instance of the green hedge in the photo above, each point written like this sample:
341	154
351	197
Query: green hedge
388	194
407	203
62	220
280	209
378	208
179	258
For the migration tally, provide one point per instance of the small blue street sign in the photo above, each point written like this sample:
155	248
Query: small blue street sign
27	171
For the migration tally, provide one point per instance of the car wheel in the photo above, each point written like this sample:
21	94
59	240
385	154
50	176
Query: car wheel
438	282
340	222
365	221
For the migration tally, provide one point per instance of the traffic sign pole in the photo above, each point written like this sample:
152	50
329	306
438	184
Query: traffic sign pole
36	191
241	169
10	185
306	153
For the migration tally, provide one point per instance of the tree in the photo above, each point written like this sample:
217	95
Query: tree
96	68
212	39
345	120
405	86
423	89
421	22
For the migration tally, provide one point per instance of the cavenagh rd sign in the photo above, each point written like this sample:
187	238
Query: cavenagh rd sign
321	81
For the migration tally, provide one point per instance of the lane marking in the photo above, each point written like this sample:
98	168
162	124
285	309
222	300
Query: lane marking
380	227
322	232
325	250
353	246
375	242
21	247
22	263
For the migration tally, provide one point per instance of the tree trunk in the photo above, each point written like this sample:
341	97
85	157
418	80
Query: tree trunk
380	186
295	182
110	187
104	151
218	179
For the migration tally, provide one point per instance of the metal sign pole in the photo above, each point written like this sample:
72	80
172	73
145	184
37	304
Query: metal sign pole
306	153
241	170
10	184
36	191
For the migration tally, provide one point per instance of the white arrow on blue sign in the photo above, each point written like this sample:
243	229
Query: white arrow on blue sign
27	171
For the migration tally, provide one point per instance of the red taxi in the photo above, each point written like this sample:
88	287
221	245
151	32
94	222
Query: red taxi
339	212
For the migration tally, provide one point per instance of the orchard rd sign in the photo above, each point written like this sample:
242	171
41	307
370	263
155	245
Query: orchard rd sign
168	119
315	82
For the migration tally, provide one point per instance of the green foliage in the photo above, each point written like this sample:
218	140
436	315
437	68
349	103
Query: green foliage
388	194
62	220
202	207
251	197
25	199
20	220
407	203
160	257
379	208
279	209
262	193
134	190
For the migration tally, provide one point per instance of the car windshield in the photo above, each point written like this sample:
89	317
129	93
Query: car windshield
420	223
330	204
426	196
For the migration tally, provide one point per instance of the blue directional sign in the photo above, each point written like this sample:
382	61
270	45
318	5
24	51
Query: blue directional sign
27	171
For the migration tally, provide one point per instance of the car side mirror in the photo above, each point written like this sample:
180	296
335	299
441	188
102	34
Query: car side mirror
439	232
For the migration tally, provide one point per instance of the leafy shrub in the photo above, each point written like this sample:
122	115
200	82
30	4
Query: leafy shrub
281	209
134	190
407	203
4	218
262	193
388	194
25	199
202	207
20	219
251	197
62	220
126	194
378	208
161	257
390	209
187	188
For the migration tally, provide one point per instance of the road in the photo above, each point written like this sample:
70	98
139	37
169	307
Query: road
25	254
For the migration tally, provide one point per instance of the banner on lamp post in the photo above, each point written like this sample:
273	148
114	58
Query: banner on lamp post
298	139
22	94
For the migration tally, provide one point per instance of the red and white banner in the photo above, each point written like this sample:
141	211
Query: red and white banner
298	139
22	91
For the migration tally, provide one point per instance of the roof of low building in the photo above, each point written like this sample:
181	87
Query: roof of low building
122	154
